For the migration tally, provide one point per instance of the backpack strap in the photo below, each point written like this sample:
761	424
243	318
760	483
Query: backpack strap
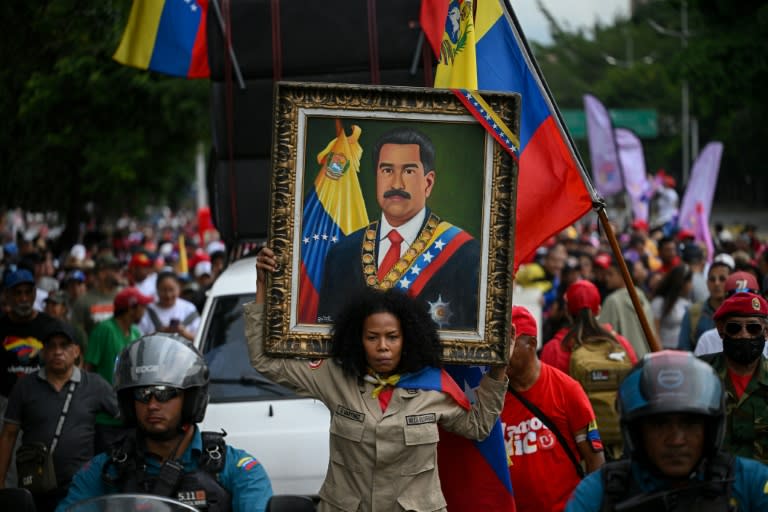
123	457
615	476
214	454
720	477
191	317
154	318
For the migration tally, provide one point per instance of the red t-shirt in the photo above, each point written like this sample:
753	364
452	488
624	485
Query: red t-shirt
543	476
740	382
554	355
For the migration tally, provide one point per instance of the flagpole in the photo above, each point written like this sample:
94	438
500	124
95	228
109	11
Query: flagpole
598	203
650	337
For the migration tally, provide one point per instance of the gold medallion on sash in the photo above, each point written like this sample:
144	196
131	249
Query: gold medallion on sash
402	265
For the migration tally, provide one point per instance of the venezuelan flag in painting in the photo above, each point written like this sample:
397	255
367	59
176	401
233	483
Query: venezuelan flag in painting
333	209
167	36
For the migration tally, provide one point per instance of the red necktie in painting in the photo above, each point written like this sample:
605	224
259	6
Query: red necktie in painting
393	254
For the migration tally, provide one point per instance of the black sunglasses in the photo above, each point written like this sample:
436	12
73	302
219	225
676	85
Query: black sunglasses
734	328
161	393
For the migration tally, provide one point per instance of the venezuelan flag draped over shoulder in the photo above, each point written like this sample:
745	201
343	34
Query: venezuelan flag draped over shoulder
436	379
552	193
333	209
167	36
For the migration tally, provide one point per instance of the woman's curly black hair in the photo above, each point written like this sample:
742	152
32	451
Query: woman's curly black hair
421	343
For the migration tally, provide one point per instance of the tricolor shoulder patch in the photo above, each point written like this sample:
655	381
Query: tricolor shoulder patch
316	363
247	463
593	436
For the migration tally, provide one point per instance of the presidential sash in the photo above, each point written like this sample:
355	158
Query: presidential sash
436	243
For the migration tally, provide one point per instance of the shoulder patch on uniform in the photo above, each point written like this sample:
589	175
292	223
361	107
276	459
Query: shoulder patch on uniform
421	419
350	414
247	463
316	363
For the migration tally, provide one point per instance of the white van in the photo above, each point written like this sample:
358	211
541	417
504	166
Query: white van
286	433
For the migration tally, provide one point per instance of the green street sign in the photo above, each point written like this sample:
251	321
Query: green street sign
644	122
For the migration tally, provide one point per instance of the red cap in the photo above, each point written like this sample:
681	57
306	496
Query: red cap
742	304
140	259
666	179
742	282
582	295
640	225
685	233
524	322
198	256
603	260
129	297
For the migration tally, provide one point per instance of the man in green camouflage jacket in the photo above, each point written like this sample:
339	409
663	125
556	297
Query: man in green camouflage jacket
742	322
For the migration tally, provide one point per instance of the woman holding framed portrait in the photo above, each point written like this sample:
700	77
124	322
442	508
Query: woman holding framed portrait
387	394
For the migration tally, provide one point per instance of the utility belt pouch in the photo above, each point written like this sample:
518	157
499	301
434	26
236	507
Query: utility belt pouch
34	466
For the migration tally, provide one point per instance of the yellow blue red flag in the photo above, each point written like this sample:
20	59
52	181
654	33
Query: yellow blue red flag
167	36
333	209
550	172
457	65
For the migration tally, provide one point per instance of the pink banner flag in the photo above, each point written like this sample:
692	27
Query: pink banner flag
701	188
606	168
633	168
702	233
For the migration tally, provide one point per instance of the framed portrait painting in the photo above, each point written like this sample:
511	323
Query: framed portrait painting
390	187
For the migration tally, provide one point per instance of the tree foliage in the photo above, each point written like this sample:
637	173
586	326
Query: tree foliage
78	127
724	62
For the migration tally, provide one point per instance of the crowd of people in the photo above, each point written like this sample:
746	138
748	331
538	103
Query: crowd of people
70	312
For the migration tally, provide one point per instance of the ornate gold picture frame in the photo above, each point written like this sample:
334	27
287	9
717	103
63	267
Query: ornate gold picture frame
340	154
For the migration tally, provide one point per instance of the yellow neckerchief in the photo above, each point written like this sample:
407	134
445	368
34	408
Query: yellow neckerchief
380	382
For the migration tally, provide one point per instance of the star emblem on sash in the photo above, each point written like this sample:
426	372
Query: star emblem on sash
440	311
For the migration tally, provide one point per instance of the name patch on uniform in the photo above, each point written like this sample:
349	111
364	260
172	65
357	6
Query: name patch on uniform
349	413
193	498
421	419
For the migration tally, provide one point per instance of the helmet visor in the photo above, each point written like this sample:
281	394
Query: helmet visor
160	360
671	382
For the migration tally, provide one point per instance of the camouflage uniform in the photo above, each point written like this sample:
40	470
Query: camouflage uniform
746	432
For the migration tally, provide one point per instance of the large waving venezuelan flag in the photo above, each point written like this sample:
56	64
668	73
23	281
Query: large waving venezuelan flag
166	36
552	191
333	209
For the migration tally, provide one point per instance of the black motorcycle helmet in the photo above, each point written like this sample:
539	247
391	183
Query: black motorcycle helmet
162	360
671	381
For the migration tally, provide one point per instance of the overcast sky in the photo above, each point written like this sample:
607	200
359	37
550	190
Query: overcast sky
570	13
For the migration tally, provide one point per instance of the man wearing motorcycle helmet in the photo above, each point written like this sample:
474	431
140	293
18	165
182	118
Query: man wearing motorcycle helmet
742	323
162	389
673	422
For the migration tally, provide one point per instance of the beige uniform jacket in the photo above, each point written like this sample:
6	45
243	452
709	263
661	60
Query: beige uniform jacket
379	461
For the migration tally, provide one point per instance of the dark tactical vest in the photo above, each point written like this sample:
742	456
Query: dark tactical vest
712	494
200	489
